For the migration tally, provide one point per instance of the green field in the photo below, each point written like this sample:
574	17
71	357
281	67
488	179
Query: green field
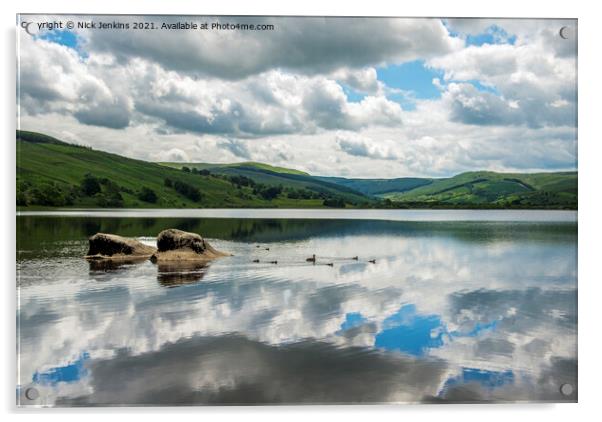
52	173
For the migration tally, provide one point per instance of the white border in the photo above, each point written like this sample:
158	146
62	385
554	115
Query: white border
589	201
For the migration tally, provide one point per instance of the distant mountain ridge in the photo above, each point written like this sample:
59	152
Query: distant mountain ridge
53	173
246	164
377	187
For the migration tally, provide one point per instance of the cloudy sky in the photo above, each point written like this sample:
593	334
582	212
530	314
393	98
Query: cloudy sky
355	97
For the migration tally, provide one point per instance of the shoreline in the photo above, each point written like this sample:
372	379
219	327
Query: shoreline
492	215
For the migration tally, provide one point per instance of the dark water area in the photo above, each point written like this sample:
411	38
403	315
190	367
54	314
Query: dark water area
430	311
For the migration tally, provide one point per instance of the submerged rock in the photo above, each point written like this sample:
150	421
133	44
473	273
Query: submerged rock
178	245
111	246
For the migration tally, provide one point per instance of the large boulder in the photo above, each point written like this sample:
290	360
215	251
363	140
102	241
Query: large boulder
111	246
178	245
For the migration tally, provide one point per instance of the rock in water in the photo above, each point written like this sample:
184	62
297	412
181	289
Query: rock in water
178	245
111	246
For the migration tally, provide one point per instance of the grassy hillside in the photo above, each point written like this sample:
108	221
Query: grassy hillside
467	190
531	190
52	173
278	176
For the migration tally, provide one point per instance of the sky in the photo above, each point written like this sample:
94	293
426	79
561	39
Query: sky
352	97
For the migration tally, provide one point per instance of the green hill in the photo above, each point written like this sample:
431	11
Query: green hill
301	182
52	173
529	190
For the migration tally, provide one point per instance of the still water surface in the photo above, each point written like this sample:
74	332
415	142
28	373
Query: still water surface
481	309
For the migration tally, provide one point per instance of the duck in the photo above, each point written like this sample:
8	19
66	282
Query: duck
267	249
273	262
373	261
312	258
255	260
355	258
330	264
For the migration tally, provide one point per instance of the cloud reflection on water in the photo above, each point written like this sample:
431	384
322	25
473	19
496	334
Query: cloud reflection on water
441	304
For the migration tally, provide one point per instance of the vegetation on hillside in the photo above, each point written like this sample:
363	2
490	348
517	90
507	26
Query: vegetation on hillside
489	189
52	173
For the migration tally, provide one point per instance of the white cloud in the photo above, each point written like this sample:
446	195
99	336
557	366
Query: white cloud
529	80
173	155
271	103
54	78
237	148
502	107
362	80
361	146
302	45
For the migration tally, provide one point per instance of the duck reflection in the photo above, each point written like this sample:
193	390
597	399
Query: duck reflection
176	274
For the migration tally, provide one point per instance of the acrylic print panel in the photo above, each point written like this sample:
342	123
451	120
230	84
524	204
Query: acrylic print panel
295	210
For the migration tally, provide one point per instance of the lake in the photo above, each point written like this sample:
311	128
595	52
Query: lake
439	306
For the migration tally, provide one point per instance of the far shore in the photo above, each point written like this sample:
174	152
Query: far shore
509	215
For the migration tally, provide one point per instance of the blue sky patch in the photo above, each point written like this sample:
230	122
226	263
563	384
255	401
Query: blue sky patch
69	373
352	320
353	96
410	333
66	38
486	379
493	35
412	77
63	37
